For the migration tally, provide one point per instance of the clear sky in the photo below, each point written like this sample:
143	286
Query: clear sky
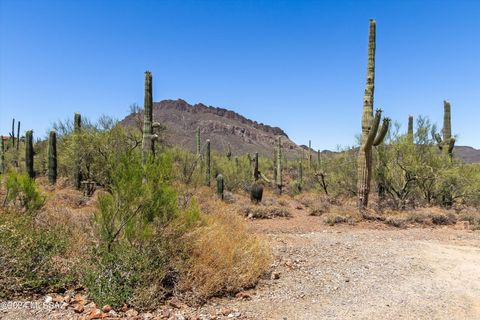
299	65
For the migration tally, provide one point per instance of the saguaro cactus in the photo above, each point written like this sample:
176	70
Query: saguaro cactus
220	185
310	154
256	173
371	136
197	140
2	155
18	134
12	134
148	141
77	172
410	130
448	142
229	152
207	164
52	157
279	181
29	153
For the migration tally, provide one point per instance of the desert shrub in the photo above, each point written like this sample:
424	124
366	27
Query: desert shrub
337	173
444	219
21	189
30	255
263	211
224	258
238	173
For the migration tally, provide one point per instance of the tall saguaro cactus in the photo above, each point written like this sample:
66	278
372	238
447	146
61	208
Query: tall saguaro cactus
148	141
278	161
207	164
310	154
256	173
371	136
197	140
448	142
29	153
18	135
77	172
410	130
2	155
52	157
12	134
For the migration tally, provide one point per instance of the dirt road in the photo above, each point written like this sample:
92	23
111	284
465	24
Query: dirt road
349	272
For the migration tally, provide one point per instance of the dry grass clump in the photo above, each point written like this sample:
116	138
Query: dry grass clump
265	211
224	257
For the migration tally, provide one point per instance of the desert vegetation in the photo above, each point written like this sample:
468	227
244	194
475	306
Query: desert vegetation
117	211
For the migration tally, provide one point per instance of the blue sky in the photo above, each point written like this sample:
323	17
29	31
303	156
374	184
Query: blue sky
299	65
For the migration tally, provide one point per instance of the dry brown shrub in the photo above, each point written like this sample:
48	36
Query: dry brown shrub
224	257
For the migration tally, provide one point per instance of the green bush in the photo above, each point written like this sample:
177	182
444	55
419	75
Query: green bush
30	255
21	189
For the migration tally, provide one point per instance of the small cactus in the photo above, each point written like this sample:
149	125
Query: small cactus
256	192
29	153
229	152
52	157
77	172
207	164
220	185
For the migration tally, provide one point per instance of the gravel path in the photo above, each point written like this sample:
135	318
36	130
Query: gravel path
348	272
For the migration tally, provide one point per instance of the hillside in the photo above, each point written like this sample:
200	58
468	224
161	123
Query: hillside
225	127
220	125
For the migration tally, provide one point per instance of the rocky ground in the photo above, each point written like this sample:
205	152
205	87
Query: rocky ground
366	271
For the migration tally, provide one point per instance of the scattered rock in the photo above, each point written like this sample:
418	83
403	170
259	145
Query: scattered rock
48	299
174	302
78	308
131	313
107	308
96	314
275	275
243	295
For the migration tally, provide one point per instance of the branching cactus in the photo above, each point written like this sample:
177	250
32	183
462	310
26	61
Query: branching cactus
371	135
279	181
220	185
448	142
2	155
52	157
410	130
197	141
77	172
275	165
207	164
149	137
300	174
29	153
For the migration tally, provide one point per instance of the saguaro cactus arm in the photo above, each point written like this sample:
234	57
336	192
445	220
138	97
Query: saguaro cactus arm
382	133
372	133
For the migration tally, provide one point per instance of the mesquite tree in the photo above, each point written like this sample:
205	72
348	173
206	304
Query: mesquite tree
371	135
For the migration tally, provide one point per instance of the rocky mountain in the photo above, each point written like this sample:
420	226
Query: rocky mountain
220	125
225	127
